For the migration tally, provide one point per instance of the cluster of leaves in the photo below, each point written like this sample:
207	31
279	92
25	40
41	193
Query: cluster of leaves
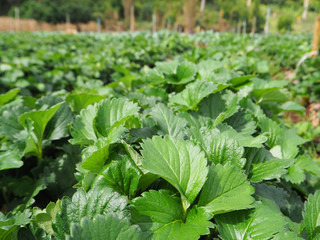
183	151
41	63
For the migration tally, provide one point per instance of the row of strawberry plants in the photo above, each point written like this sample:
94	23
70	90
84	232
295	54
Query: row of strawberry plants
188	150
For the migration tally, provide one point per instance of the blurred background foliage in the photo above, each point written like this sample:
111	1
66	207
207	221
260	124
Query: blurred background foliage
187	14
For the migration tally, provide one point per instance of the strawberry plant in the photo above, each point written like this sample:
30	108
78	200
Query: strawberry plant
189	148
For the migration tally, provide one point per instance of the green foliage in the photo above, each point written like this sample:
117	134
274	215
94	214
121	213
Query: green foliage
285	22
153	138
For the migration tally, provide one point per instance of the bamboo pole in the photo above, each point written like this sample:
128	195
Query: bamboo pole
315	44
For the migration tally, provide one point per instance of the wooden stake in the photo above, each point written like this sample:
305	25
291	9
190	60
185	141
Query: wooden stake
315	44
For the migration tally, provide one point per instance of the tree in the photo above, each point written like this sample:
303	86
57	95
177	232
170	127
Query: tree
189	13
126	11
259	18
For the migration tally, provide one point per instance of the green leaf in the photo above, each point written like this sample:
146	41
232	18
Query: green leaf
94	156
261	165
219	107
311	216
236	81
191	96
243	139
289	142
261	223
79	101
167	67
225	190
10	159
82	130
271	127
286	235
270	91
45	219
10	128
57	126
39	120
207	67
243	123
185	72
106	227
10	224
296	172
121	176
292	107
8	96
113	113
180	163
96	201
196	120
163	215
169	123
270	169
220	148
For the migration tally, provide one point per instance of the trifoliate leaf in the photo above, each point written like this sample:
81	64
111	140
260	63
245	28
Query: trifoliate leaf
163	215
179	162
121	176
94	156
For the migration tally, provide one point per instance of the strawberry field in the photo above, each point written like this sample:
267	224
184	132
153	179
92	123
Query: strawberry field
159	136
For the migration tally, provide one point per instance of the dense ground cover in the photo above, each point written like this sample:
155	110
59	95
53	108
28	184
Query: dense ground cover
165	136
